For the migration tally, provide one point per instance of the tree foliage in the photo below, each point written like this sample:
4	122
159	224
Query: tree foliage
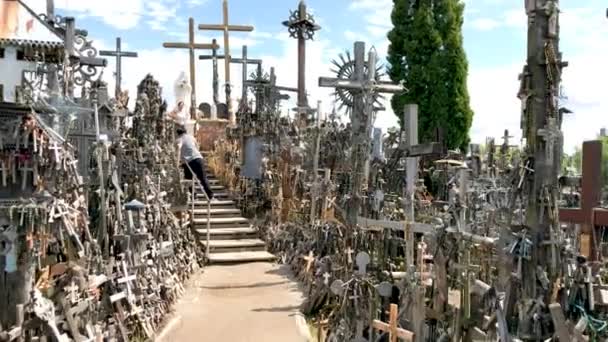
575	160
426	52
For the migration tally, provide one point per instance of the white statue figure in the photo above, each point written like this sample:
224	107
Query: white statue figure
183	93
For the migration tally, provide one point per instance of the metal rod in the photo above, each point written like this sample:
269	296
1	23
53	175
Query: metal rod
208	209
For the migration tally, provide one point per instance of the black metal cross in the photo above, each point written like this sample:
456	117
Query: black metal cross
119	54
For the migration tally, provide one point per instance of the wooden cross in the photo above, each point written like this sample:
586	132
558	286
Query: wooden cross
191	46
309	260
589	216
119	54
394	332
226	28
364	88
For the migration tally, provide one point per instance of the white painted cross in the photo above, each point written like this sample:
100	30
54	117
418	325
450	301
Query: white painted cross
362	260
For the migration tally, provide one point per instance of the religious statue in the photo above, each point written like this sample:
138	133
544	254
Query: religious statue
183	93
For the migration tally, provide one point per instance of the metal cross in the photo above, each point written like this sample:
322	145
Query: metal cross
226	28
119	54
271	89
364	86
191	46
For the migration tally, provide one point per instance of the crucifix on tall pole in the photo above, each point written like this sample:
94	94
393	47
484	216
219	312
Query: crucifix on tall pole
214	57
364	88
119	54
244	61
302	26
226	28
191	46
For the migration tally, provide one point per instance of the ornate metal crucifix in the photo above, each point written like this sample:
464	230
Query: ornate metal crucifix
118	54
191	45
226	28
244	61
302	26
364	87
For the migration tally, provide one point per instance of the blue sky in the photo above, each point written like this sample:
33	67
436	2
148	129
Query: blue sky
494	35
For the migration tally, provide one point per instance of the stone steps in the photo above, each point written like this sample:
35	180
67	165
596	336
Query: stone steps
240	257
231	237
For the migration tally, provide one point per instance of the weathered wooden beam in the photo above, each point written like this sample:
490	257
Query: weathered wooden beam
424	149
382	86
559	322
417	227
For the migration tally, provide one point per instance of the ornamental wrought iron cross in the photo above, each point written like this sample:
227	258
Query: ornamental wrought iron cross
226	28
119	54
589	215
191	46
363	86
302	26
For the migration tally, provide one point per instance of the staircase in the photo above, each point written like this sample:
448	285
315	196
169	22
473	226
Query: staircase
232	238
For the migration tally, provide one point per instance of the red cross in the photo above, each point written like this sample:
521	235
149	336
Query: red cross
589	216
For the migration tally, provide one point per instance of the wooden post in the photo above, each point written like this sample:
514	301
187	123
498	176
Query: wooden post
411	130
315	163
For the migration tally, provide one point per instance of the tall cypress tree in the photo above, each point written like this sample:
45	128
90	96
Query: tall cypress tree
426	53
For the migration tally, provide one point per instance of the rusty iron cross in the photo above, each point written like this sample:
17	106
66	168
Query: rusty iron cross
589	215
226	28
391	327
191	45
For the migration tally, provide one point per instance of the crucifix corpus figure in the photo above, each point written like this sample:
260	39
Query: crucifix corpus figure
364	87
226	28
191	46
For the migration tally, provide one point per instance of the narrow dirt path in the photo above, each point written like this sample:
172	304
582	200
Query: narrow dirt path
255	302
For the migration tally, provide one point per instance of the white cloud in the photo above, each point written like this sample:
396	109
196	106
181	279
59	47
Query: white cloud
120	14
485	24
195	3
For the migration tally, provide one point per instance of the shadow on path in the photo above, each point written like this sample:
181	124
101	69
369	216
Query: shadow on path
245	286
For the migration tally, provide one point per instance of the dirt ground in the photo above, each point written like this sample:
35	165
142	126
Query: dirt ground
255	302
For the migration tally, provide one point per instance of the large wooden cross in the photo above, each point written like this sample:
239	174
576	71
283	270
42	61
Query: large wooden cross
191	46
363	87
226	28
119	54
589	215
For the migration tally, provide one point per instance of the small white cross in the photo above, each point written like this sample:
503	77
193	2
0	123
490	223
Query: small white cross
309	261
72	290
349	252
326	276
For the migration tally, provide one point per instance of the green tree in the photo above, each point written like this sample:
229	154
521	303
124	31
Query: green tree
426	52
